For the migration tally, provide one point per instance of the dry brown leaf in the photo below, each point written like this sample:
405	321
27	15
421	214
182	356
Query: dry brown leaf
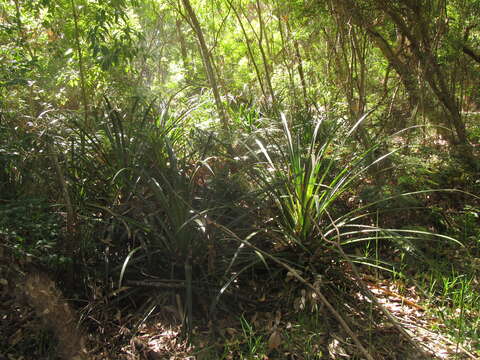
231	331
278	317
274	341
16	337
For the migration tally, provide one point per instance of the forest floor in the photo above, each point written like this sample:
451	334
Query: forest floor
269	321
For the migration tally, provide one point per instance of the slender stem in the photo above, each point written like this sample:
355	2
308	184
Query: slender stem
71	215
81	67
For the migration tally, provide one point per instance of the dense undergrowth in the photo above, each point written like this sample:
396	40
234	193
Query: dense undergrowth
149	209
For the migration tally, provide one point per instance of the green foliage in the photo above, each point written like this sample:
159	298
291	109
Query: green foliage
32	228
456	302
305	181
125	144
254	345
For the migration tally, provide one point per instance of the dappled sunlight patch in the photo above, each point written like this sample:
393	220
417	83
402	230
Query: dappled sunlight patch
415	319
158	341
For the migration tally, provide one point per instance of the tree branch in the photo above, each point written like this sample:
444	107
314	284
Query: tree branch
470	52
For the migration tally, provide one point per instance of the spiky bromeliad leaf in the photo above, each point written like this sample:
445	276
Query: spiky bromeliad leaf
304	182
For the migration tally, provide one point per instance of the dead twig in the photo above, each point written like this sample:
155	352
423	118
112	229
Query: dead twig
155	284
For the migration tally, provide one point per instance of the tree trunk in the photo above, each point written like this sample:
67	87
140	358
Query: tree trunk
81	67
419	52
183	49
193	20
266	64
249	48
299	62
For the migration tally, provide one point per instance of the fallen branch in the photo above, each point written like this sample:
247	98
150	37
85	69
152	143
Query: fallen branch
390	293
155	284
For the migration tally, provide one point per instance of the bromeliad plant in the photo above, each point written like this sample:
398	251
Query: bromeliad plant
306	179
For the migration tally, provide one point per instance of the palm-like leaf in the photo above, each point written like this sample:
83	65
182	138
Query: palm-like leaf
305	182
